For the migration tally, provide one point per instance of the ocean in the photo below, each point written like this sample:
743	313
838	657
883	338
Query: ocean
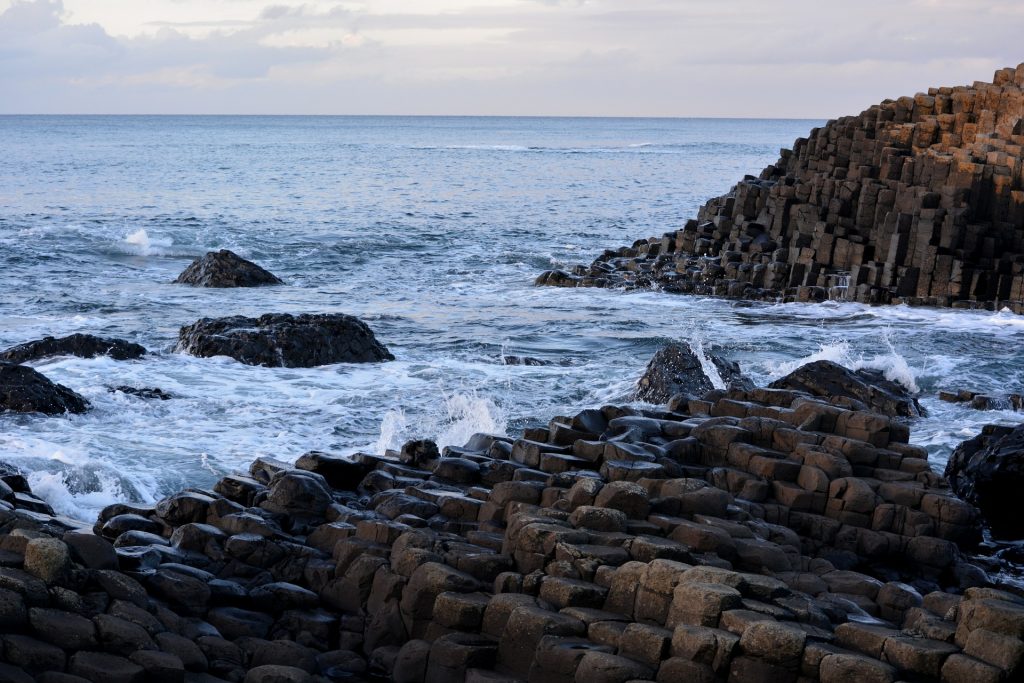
430	229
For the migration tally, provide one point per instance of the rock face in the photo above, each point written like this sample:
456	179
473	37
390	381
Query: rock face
676	369
82	345
752	535
283	340
988	471
23	390
226	269
868	389
919	200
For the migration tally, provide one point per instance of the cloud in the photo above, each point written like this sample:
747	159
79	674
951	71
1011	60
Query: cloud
573	57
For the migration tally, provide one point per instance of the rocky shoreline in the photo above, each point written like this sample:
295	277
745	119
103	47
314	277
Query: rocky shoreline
750	534
917	200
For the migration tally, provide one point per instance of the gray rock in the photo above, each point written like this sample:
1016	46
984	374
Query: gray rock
225	268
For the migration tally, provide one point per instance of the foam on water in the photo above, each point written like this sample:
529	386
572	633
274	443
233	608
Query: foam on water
891	364
139	242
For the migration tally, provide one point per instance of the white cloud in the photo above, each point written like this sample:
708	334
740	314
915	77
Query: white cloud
584	57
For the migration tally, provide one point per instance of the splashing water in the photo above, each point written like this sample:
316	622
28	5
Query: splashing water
139	242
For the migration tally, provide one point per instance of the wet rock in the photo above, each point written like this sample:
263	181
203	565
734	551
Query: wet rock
869	387
81	345
226	269
419	453
988	471
144	392
677	369
283	340
24	390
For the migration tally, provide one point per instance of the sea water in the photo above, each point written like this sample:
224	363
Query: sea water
430	229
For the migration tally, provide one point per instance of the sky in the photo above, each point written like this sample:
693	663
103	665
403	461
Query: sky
733	58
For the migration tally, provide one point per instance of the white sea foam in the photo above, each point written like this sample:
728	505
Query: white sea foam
139	242
891	364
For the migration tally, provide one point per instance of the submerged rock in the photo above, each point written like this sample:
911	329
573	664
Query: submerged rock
868	387
676	369
81	345
283	340
144	392
24	390
226	269
988	471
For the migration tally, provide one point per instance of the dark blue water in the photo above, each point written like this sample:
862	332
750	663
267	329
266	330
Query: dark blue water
431	229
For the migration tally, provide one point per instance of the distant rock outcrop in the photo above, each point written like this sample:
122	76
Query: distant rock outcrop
24	390
226	269
82	345
917	200
283	340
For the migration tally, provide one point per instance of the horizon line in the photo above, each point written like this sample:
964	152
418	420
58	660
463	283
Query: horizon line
438	116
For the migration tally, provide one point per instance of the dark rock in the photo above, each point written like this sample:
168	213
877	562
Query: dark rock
100	667
81	345
144	392
419	453
90	550
283	340
676	369
871	388
226	269
339	472
234	622
297	492
523	360
988	472
24	390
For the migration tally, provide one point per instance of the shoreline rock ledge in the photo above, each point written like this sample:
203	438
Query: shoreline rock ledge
917	200
749	535
284	340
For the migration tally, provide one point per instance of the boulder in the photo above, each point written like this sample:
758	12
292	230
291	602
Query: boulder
226	269
870	387
81	345
988	471
677	369
284	340
24	390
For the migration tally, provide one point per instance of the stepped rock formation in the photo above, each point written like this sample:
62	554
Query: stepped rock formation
751	535
917	200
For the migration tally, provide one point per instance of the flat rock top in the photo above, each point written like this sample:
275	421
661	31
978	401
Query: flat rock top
226	269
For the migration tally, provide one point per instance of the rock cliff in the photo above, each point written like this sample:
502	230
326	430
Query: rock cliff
917	200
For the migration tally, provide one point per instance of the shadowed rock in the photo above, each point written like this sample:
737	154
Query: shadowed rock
24	390
226	269
283	340
81	345
988	471
869	387
676	369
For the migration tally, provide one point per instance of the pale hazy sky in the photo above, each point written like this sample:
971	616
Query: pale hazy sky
746	58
